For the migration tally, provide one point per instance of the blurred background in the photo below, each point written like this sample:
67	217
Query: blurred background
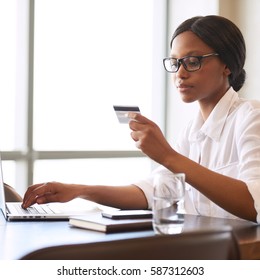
65	63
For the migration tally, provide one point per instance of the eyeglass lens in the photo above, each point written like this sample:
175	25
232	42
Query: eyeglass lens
190	63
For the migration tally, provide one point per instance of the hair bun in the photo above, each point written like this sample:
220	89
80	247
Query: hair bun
238	81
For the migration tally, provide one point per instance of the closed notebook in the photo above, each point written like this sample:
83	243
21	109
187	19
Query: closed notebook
99	223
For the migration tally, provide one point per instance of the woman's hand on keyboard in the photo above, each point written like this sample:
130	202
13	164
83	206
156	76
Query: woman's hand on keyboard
50	192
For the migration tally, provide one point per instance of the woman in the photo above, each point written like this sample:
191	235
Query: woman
219	151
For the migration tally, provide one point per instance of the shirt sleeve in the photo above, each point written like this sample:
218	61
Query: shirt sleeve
248	139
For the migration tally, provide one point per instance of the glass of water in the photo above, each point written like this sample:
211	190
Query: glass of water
168	196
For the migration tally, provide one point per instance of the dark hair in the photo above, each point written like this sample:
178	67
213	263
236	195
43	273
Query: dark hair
225	38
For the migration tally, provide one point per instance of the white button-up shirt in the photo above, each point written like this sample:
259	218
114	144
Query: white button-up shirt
228	142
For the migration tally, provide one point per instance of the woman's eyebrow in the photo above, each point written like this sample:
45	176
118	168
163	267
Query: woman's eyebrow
192	53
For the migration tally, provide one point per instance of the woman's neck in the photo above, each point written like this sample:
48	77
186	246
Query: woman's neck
207	106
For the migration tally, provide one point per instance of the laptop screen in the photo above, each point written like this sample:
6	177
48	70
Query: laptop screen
2	192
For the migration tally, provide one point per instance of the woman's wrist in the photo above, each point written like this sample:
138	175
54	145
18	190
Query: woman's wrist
170	159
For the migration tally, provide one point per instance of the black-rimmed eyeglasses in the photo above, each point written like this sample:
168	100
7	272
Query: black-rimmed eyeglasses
190	63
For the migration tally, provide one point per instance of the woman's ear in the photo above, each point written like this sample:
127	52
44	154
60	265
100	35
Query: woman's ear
227	71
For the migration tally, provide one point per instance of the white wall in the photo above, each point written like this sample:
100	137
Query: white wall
246	14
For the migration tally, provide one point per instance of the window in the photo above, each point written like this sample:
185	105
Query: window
70	62
90	55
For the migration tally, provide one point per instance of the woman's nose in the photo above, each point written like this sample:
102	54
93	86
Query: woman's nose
182	72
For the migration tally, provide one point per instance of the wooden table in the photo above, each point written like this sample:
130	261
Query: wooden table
19	238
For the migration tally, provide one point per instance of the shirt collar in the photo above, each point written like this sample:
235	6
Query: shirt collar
214	124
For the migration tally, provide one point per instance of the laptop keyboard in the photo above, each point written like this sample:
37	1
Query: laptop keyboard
35	209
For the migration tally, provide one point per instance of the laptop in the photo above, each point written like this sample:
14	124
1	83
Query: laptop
51	211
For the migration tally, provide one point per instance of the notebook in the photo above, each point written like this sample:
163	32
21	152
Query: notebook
52	211
99	223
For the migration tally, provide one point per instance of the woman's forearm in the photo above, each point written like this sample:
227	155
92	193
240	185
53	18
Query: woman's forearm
123	197
229	193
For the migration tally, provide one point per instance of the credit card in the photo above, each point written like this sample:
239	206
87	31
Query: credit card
122	112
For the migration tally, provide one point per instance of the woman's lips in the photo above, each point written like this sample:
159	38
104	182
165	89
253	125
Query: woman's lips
183	87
